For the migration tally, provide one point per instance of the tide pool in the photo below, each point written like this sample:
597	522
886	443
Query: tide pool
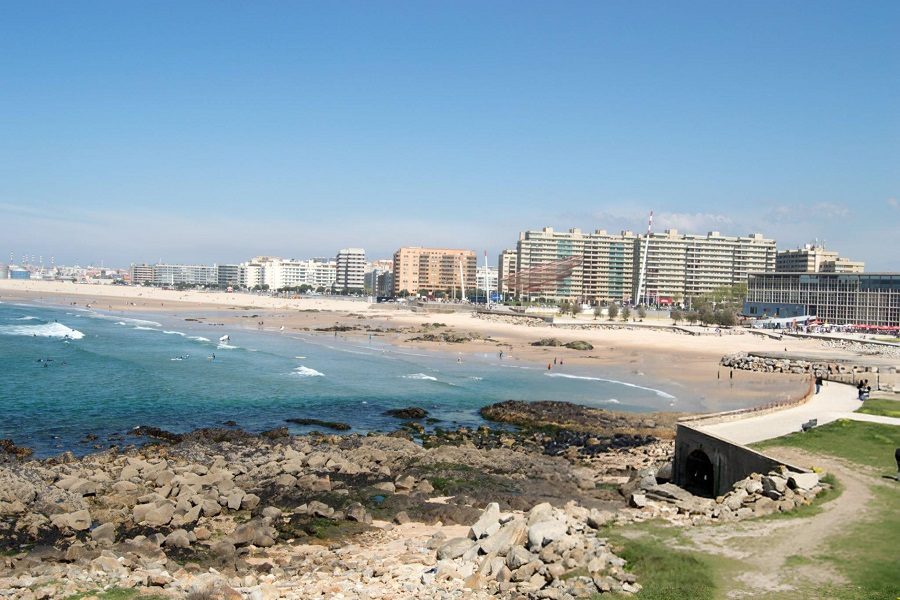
70	372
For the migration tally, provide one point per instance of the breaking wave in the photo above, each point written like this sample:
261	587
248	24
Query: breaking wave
420	377
49	330
302	371
659	393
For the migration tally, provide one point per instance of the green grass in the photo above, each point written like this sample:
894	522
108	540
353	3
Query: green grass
866	553
884	407
870	444
664	573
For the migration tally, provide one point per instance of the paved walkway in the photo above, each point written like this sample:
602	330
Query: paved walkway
835	401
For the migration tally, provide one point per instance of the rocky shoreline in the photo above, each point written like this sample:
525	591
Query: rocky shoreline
468	513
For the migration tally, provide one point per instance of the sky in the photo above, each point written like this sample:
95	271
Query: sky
215	131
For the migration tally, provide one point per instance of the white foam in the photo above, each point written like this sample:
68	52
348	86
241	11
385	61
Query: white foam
51	330
27	319
142	328
474	378
122	320
198	338
302	371
420	377
174	333
659	393
224	346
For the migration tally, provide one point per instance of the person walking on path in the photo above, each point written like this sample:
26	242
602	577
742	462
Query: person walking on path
818	383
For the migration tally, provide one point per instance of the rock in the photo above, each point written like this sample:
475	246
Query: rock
638	500
104	534
109	565
454	548
385	486
249	502
319	509
271	512
425	486
411	412
405	482
178	539
540	512
234	499
159	516
517	557
357	512
803	481
542	533
78	520
513	533
598	518
487	523
210	508
401	518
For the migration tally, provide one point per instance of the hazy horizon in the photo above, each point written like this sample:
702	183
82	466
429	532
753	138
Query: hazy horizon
204	132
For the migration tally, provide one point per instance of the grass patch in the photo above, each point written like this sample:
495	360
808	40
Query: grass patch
866	552
883	407
664	573
870	444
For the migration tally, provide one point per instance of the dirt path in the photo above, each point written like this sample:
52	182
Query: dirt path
763	548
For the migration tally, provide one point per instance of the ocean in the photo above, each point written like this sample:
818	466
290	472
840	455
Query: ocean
69	372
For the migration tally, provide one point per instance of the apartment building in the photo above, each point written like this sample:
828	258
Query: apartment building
607	267
549	264
164	274
680	266
141	274
570	265
486	278
427	270
835	298
229	276
813	258
506	264
350	269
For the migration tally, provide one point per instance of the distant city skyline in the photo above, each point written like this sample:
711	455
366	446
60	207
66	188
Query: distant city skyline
199	132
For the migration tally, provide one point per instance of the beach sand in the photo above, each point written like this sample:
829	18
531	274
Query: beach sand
688	363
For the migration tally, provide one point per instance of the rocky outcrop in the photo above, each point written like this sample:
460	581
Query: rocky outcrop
824	369
755	496
545	553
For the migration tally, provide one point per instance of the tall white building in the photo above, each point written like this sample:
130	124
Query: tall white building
350	270
681	266
486	278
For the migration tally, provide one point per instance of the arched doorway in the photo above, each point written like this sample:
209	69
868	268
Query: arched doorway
699	470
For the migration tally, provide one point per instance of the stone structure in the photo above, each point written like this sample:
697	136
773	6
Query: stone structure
707	465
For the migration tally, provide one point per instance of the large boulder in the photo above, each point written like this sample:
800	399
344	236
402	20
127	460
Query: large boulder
542	533
487	523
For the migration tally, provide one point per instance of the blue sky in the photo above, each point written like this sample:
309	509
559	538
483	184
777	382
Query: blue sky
194	131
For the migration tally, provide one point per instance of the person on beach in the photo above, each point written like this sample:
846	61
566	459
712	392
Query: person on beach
501	355
818	383
549	366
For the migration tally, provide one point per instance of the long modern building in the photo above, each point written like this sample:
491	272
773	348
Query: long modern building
835	298
167	274
428	270
350	269
681	266
609	267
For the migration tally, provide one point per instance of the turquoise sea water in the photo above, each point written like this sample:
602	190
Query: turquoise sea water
67	372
